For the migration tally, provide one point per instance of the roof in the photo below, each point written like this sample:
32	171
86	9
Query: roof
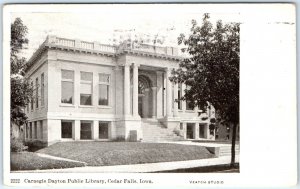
54	42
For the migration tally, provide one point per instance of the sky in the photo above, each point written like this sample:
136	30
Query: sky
104	23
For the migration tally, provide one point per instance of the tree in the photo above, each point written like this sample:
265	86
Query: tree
21	90
212	70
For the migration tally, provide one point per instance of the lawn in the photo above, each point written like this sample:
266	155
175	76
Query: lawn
31	161
124	153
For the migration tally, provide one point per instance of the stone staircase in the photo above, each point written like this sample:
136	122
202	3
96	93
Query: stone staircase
154	131
226	150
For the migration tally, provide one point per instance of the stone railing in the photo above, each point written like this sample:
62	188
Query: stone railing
74	43
172	51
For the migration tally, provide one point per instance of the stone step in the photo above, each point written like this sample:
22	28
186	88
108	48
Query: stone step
226	150
154	131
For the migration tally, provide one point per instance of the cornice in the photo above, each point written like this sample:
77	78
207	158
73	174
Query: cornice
51	43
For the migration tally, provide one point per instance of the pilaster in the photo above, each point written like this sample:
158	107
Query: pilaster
168	93
159	96
154	104
76	130
95	130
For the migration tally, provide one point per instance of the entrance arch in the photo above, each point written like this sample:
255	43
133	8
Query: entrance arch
144	86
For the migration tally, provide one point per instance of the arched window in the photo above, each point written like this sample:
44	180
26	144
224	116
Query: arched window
143	84
141	88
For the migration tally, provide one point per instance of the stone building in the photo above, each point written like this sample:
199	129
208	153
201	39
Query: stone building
90	91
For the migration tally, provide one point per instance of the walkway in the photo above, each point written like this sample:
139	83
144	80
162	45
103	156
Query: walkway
141	168
206	144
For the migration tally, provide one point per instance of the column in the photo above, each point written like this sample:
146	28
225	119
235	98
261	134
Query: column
168	93
95	130
135	94
153	102
76	130
159	96
126	89
175	98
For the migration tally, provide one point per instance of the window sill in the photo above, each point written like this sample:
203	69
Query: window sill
86	106
67	105
66	139
190	111
104	107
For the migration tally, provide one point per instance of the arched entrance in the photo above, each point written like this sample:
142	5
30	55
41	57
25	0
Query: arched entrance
144	85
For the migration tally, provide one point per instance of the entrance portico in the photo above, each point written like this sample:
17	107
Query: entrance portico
148	93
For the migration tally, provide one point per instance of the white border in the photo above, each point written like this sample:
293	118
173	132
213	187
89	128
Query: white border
268	100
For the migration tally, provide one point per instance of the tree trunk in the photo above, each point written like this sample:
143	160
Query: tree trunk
233	145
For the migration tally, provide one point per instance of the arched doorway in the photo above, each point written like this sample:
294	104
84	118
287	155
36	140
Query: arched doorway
144	85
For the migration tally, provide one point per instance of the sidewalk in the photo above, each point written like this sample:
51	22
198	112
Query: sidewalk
141	168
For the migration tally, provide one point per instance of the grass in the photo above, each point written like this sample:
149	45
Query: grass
31	161
123	153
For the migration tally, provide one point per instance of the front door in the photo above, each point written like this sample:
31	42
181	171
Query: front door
141	106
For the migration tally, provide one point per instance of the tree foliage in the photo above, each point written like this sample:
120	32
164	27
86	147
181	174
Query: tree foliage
17	43
21	90
212	68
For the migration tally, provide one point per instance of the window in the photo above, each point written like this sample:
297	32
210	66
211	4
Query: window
66	129
189	103
201	130
179	96
26	130
85	130
31	102
30	130
42	90
104	81
41	129
217	136
37	92
67	86
86	83
35	130
190	130
103	130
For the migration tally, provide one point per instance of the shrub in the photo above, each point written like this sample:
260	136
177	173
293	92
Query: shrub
35	145
16	145
119	139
